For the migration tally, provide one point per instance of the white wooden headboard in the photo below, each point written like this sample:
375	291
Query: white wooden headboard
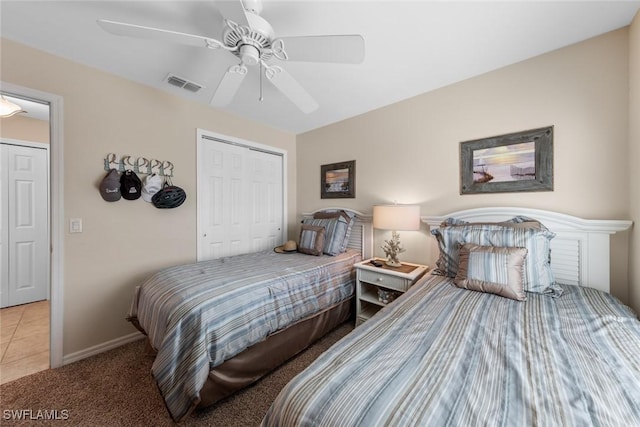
580	250
361	237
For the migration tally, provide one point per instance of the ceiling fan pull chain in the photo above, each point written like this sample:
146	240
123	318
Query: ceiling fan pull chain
261	95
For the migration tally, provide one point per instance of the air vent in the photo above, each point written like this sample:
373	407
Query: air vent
183	83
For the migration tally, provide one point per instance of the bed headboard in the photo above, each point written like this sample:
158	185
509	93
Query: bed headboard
361	237
580	250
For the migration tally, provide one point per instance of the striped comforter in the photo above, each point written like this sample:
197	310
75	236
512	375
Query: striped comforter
444	356
199	315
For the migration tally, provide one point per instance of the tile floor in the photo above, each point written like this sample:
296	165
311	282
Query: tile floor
24	340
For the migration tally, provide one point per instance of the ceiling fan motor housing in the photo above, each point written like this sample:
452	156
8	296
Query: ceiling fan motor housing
252	41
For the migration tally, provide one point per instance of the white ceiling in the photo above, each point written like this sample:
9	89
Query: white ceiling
412	47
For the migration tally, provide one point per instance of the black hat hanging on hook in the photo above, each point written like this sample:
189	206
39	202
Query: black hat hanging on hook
130	185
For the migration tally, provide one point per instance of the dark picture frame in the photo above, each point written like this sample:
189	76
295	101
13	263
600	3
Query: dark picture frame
521	161
338	180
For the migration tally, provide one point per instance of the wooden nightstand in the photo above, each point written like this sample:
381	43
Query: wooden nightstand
370	279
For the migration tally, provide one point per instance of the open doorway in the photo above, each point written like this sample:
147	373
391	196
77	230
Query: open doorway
56	212
25	239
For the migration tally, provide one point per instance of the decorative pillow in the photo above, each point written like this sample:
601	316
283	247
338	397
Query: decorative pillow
335	232
493	270
350	217
517	232
311	240
516	221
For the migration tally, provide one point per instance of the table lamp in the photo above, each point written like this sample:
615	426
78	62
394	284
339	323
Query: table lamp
395	218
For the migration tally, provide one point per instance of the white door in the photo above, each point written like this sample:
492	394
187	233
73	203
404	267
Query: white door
4	228
265	227
240	199
25	171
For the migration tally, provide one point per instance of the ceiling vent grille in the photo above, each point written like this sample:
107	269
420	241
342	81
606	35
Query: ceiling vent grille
183	83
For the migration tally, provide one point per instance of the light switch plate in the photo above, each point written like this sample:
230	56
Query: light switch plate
75	225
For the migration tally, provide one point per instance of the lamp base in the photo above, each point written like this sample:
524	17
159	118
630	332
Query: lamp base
391	263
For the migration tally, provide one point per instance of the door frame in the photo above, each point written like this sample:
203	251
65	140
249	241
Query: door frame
46	147
56	212
200	134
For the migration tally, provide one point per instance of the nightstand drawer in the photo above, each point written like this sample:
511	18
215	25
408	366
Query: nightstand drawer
384	280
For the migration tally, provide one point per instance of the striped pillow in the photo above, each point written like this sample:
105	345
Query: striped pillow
311	240
535	238
493	270
335	232
350	217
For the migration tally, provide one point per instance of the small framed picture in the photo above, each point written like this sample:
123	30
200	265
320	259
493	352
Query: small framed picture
338	180
515	162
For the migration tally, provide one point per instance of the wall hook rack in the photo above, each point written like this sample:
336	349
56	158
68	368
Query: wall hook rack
140	165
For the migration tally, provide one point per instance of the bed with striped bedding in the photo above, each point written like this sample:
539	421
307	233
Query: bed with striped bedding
197	316
446	356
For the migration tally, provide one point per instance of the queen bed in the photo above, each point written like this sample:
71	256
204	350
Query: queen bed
217	326
457	351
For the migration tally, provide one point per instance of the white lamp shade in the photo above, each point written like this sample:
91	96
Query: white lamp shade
396	217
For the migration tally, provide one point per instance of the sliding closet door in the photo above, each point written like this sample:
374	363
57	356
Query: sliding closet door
265	180
240	199
25	172
221	203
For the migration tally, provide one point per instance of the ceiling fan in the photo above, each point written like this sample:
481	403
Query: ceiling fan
251	38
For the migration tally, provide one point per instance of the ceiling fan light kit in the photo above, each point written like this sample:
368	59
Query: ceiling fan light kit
8	108
252	39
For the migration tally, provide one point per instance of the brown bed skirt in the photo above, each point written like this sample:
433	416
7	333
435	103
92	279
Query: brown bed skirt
260	359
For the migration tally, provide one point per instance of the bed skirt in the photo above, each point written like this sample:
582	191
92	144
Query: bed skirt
263	357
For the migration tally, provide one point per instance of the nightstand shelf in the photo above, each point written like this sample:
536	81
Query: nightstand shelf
369	293
370	279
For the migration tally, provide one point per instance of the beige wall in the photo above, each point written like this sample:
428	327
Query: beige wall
406	152
634	161
409	151
25	128
123	242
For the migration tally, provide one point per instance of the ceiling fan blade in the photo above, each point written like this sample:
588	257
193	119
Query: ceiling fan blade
291	89
229	85
132	30
342	49
233	10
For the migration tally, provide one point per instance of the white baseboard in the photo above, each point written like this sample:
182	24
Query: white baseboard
101	348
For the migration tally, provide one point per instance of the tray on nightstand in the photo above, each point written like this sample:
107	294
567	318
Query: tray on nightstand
404	268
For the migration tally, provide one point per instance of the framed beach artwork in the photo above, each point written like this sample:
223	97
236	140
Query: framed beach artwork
338	180
521	161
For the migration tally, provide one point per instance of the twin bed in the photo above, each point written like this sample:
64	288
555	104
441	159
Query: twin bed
445	355
220	325
454	350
